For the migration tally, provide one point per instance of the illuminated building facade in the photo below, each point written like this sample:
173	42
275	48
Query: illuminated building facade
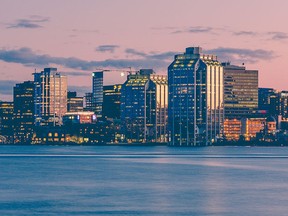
240	91
195	98
88	106
79	118
23	96
112	101
74	103
6	122
50	97
97	92
144	104
251	126
232	129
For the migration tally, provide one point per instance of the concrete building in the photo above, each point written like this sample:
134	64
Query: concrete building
195	98
240	91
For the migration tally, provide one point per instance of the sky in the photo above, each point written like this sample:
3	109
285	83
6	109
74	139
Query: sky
82	36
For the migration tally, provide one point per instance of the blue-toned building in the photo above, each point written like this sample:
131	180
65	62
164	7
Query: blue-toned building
97	93
195	83
144	104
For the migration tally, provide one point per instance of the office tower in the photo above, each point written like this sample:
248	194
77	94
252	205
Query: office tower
282	104
50	97
195	98
240	91
23	96
74	103
111	101
264	98
97	92
6	122
144	103
88	106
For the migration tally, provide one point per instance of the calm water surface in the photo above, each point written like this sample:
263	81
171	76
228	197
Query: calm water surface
121	180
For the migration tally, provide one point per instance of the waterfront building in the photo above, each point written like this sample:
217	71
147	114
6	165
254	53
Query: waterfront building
240	91
144	103
74	103
79	118
50	97
232	129
23	96
97	92
112	101
195	98
251	126
6	122
266	100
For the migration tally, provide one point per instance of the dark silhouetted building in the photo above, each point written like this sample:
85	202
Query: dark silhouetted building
240	91
23	96
88	105
195	98
111	101
6	122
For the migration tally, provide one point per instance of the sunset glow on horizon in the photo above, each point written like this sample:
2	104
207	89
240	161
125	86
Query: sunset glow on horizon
78	37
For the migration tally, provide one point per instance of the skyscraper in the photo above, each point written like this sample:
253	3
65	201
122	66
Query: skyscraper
144	103
23	95
195	83
240	91
50	97
111	101
97	92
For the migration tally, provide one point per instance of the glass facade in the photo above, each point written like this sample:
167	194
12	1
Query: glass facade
50	97
74	103
97	91
23	111
144	103
111	101
195	83
240	91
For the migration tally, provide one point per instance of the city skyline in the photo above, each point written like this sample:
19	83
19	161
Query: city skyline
78	37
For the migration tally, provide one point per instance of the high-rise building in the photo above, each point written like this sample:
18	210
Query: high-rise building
6	122
240	91
144	103
50	97
111	101
97	92
74	103
195	98
88	106
23	96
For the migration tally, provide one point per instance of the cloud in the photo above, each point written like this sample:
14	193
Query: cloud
106	48
32	22
6	86
278	35
27	57
194	29
244	33
152	55
242	55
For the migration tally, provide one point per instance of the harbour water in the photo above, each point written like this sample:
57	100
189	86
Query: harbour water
153	180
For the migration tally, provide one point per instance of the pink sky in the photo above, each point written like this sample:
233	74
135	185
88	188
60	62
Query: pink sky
78	36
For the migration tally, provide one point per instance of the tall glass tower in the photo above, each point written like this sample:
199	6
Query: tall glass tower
144	104
195	111
97	92
50	97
